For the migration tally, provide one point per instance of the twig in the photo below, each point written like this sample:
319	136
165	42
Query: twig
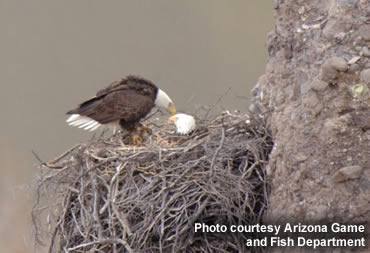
101	241
222	141
51	164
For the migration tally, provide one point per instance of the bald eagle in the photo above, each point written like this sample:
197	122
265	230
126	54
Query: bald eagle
184	123
125	102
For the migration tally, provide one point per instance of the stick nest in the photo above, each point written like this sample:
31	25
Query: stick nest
104	196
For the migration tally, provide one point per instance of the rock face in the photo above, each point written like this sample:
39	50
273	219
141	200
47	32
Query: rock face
315	93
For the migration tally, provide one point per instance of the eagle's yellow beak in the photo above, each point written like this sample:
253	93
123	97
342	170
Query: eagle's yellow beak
172	109
172	119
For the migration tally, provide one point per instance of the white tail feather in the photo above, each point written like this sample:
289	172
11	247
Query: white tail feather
95	127
77	122
83	122
91	125
74	117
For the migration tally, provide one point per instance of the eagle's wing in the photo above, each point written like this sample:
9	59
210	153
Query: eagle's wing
116	85
128	105
129	82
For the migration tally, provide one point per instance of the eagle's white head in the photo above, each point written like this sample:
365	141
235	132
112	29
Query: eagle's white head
164	101
184	123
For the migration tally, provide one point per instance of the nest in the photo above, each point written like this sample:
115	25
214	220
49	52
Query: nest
104	196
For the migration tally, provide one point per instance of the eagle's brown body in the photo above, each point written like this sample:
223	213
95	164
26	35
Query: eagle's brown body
125	102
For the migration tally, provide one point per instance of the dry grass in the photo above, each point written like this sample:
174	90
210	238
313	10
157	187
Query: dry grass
104	196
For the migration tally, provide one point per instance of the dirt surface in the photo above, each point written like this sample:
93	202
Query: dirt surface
315	93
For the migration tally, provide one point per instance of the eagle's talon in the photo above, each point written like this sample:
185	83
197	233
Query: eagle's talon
136	139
